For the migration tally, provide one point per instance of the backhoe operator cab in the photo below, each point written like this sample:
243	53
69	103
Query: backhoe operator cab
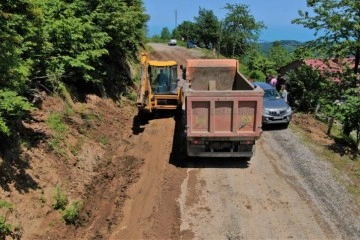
163	77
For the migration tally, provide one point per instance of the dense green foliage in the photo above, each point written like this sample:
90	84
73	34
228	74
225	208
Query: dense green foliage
187	30
12	106
350	111
233	36
165	33
240	31
289	45
338	24
207	26
306	86
278	55
258	62
49	44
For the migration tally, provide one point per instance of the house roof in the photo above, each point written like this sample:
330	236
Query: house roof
332	65
323	65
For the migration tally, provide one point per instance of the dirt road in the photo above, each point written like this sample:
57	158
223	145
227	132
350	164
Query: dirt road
284	192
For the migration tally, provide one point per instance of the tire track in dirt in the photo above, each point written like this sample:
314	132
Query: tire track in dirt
151	211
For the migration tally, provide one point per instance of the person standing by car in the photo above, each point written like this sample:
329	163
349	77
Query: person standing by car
273	81
284	92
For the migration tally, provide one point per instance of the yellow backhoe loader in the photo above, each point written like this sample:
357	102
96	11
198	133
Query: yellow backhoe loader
159	85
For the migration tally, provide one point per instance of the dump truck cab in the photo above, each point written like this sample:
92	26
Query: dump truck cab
159	88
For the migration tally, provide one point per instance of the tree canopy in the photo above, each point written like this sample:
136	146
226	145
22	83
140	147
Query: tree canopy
240	30
207	27
233	36
337	22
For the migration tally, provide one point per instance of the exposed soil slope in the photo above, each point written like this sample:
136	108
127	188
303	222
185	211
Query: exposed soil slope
104	151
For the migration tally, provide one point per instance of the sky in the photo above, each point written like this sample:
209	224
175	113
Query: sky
276	15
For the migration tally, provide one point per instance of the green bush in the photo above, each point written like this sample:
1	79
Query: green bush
72	213
307	87
12	106
257	76
56	123
6	229
61	199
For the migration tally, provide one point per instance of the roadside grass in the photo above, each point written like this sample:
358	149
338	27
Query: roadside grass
6	229
340	154
61	199
132	96
90	116
104	140
75	149
56	123
72	212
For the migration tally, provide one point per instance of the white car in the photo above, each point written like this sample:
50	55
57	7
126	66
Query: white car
172	42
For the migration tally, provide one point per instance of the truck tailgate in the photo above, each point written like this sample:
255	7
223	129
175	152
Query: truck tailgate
230	114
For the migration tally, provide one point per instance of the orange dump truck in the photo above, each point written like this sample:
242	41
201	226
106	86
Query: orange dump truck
222	110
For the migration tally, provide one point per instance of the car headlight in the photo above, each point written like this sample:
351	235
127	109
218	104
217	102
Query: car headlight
266	111
288	111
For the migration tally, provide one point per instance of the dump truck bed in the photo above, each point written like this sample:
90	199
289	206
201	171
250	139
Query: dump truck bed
223	110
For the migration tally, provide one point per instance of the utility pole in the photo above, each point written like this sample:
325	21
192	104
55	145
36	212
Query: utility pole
175	18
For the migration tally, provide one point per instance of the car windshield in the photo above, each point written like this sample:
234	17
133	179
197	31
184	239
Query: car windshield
271	94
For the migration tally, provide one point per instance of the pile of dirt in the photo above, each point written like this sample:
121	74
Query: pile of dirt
316	130
91	161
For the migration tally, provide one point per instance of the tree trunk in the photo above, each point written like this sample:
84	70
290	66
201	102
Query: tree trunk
331	123
357	60
346	129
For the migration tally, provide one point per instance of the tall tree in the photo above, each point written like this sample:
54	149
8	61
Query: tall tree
207	27
240	29
278	55
338	23
125	22
187	30
302	53
74	42
257	61
165	33
17	30
18	21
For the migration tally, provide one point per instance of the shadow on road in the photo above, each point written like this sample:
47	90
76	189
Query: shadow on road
142	119
274	127
216	163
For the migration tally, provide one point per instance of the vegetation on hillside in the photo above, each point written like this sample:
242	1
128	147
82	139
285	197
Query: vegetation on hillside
337	23
52	45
